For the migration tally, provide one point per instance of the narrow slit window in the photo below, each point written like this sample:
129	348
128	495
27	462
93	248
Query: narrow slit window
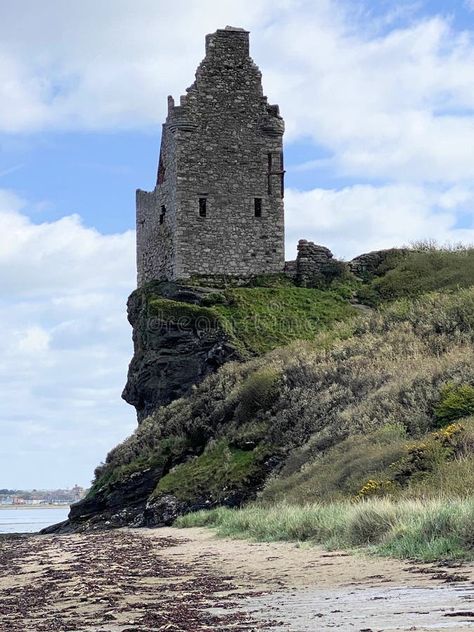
162	214
202	207
269	177
257	207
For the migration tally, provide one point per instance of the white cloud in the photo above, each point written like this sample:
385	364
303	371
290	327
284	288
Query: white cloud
65	346
62	255
33	340
392	103
389	97
361	218
396	106
90	65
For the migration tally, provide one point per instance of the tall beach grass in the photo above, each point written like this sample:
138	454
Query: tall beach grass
435	529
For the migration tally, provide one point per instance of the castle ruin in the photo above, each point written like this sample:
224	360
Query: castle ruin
217	208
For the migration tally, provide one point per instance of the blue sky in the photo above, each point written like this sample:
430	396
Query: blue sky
378	99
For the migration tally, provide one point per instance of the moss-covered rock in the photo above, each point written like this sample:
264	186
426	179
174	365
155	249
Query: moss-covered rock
222	474
177	342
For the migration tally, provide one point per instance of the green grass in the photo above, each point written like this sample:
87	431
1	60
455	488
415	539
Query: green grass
263	318
425	530
186	315
426	268
256	319
218	471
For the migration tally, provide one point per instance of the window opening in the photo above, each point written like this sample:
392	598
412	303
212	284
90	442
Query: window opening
257	205
162	214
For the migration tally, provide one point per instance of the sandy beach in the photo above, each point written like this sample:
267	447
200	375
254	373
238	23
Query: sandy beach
187	580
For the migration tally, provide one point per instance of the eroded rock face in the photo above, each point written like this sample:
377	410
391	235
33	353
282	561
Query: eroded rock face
116	505
162	511
172	350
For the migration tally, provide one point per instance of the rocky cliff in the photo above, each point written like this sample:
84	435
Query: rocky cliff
182	335
177	342
211	431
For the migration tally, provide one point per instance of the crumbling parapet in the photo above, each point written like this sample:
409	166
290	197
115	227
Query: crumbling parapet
311	263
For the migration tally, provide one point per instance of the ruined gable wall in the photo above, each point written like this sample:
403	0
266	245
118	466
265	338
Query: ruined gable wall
156	218
223	157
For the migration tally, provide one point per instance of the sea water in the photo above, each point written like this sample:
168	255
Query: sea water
30	520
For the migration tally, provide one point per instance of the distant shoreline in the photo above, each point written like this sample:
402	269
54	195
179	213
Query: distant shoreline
33	506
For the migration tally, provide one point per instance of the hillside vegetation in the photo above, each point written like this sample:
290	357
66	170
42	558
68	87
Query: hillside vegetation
423	268
368	410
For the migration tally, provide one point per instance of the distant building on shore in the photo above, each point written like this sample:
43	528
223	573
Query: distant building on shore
37	497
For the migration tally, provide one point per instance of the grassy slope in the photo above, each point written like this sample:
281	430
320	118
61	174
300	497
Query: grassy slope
263	318
352	414
426	268
258	319
301	401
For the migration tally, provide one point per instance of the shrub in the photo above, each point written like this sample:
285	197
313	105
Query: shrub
456	402
426	268
214	474
258	392
375	488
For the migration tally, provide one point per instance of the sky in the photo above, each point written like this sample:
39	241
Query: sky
378	100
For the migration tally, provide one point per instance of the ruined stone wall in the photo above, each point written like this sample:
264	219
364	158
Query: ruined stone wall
224	202
311	262
156	218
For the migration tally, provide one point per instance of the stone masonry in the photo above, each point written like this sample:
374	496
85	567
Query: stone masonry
217	208
311	262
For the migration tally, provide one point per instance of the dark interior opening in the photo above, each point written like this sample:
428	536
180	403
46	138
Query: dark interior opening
269	177
202	207
257	204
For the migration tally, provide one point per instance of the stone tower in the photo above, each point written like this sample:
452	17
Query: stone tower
217	208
